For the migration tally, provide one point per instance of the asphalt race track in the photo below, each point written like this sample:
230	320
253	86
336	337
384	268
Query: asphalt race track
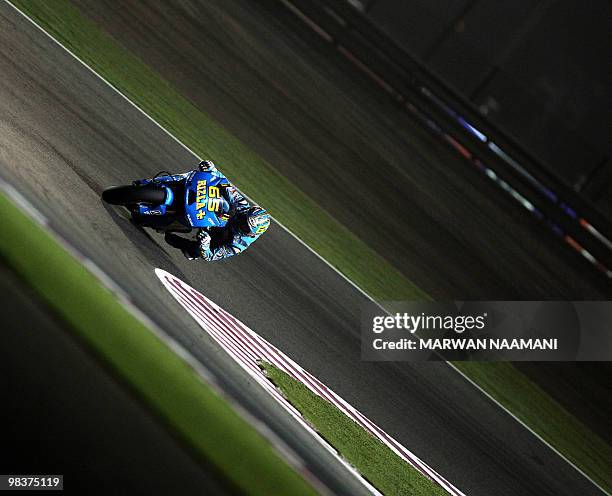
268	79
65	136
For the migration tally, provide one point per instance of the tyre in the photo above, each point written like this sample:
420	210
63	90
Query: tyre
126	195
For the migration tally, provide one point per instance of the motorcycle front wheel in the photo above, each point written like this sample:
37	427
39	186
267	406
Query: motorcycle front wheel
129	195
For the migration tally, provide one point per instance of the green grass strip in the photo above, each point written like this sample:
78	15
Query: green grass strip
165	381
307	220
376	462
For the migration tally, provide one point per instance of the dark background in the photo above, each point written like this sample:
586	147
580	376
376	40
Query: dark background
539	70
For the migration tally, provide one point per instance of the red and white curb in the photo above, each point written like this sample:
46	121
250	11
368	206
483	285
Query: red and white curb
247	348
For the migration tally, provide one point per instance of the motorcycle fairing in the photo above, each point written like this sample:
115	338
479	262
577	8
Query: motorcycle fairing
205	204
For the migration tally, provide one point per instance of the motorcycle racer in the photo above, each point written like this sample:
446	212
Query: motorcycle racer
244	222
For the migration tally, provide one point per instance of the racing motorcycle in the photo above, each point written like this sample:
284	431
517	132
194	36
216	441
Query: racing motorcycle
175	203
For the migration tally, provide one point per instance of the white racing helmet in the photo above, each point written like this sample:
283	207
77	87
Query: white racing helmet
253	221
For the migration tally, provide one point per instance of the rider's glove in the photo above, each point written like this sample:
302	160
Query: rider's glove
204	240
206	165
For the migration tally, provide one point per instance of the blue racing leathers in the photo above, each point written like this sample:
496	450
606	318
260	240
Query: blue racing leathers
217	243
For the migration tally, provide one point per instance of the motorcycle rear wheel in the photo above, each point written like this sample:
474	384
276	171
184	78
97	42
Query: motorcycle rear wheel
129	195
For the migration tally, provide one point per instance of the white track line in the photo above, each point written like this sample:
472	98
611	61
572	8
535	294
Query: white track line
308	247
